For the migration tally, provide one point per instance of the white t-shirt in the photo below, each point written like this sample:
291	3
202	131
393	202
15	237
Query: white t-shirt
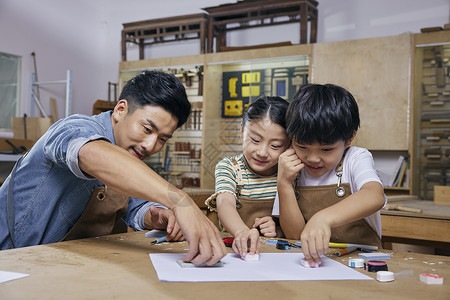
357	170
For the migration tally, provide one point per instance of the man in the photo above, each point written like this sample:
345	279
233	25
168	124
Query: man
50	187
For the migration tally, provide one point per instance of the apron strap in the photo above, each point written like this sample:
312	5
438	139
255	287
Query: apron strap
10	204
340	191
240	182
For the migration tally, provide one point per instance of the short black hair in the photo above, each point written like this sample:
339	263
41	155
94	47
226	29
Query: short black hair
273	107
157	88
323	114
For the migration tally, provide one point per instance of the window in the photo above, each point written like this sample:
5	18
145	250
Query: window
9	88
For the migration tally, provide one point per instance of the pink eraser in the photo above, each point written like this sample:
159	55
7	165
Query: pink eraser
306	264
431	278
251	257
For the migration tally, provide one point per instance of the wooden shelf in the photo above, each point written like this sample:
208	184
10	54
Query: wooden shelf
392	191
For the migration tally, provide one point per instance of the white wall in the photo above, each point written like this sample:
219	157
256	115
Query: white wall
84	35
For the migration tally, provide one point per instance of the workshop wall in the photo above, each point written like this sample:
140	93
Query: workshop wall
84	35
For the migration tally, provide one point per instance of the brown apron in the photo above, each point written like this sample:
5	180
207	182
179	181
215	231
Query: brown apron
312	199
101	216
250	209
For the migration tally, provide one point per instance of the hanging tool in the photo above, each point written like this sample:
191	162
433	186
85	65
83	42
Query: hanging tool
36	79
25	126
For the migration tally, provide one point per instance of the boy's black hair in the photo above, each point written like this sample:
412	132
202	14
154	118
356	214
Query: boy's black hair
159	89
323	114
273	107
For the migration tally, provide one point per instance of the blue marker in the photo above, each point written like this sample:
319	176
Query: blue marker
160	240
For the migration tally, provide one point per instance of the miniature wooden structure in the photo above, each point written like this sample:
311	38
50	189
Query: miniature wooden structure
257	13
220	19
149	32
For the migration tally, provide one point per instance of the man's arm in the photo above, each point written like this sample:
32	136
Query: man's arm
127	175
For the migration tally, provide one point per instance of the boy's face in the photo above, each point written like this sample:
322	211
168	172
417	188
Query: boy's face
143	132
320	159
263	142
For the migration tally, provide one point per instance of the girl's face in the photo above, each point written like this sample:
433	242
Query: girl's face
263	141
320	159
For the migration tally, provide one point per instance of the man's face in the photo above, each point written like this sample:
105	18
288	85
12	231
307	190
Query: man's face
143	132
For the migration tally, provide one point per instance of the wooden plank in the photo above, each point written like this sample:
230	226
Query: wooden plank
228	48
432	38
378	81
442	195
4	146
416	228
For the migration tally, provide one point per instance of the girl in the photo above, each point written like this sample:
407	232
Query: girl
246	184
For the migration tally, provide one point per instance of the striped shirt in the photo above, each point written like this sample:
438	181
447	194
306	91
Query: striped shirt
255	186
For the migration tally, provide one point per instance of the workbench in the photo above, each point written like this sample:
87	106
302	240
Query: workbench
118	266
431	227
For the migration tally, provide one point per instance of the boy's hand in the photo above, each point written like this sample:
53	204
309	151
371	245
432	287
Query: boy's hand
266	226
244	239
289	165
315	238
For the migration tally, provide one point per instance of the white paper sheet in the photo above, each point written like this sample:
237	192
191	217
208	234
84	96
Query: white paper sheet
270	267
7	276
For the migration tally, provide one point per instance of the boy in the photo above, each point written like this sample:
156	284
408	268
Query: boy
50	186
337	193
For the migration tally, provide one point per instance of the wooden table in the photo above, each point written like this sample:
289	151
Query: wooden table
119	267
431	227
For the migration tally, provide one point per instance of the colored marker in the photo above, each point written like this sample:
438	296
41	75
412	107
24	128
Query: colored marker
345	245
347	250
364	250
294	245
159	240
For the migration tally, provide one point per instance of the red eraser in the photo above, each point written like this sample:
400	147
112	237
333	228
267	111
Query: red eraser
228	241
431	278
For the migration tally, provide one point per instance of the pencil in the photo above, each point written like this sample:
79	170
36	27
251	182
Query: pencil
159	240
345	245
347	250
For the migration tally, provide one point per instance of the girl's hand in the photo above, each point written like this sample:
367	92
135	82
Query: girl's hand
289	165
266	226
244	239
315	239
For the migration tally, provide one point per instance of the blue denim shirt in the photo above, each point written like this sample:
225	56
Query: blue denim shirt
50	190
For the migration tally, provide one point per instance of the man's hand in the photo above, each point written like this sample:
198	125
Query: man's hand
160	218
205	243
266	226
